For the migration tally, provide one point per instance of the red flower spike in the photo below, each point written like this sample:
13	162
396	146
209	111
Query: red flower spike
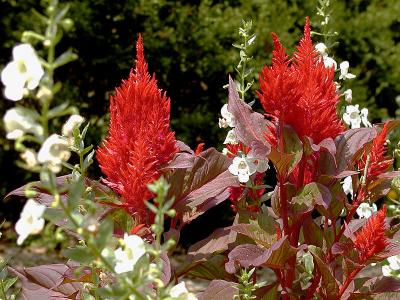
379	162
301	92
139	140
371	239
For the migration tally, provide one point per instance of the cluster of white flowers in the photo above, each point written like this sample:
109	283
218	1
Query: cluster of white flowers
393	268
30	221
23	73
55	149
244	166
127	256
228	120
354	117
329	62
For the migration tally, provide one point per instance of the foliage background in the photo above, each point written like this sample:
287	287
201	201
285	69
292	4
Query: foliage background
188	47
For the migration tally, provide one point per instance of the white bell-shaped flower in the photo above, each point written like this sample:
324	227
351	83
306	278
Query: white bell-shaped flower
348	95
54	151
30	221
321	48
128	255
231	138
24	71
348	186
227	119
243	168
344	71
366	210
18	121
73	122
354	117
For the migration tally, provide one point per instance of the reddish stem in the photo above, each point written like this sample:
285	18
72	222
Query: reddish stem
349	279
313	287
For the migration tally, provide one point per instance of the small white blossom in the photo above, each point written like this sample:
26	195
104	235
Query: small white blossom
231	137
365	210
180	292
348	186
73	122
29	156
354	117
227	119
31	221
394	262
53	152
348	95
44	94
344	71
18	121
386	271
243	168
329	62
126	257
225	151
321	48
24	71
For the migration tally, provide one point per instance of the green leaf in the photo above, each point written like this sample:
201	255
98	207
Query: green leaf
311	194
105	233
75	193
8	283
256	234
80	254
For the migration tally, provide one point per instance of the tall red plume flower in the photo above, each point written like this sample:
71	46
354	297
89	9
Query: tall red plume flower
371	239
300	91
139	140
379	162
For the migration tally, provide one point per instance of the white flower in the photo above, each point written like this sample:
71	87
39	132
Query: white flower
354	117
18	121
344	71
394	262
30	158
329	62
180	292
73	122
133	250
231	137
348	95
243	168
348	186
31	221
365	210
24	71
227	119
386	271
321	49
225	151
53	152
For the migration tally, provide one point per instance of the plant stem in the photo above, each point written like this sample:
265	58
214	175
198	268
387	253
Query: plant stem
349	279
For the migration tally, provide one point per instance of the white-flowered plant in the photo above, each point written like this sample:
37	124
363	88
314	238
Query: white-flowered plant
366	210
127	256
30	221
329	62
227	119
393	268
54	151
322	49
180	292
344	71
243	168
354	117
19	121
23	73
231	138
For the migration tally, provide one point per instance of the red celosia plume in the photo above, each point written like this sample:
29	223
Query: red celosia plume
301	92
139	140
379	162
371	239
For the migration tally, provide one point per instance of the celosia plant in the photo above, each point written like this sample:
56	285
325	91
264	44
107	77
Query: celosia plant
304	230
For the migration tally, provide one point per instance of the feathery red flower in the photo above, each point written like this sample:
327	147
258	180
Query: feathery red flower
371	239
139	140
301	92
379	162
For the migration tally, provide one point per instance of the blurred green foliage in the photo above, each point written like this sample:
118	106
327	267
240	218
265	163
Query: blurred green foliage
188	45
